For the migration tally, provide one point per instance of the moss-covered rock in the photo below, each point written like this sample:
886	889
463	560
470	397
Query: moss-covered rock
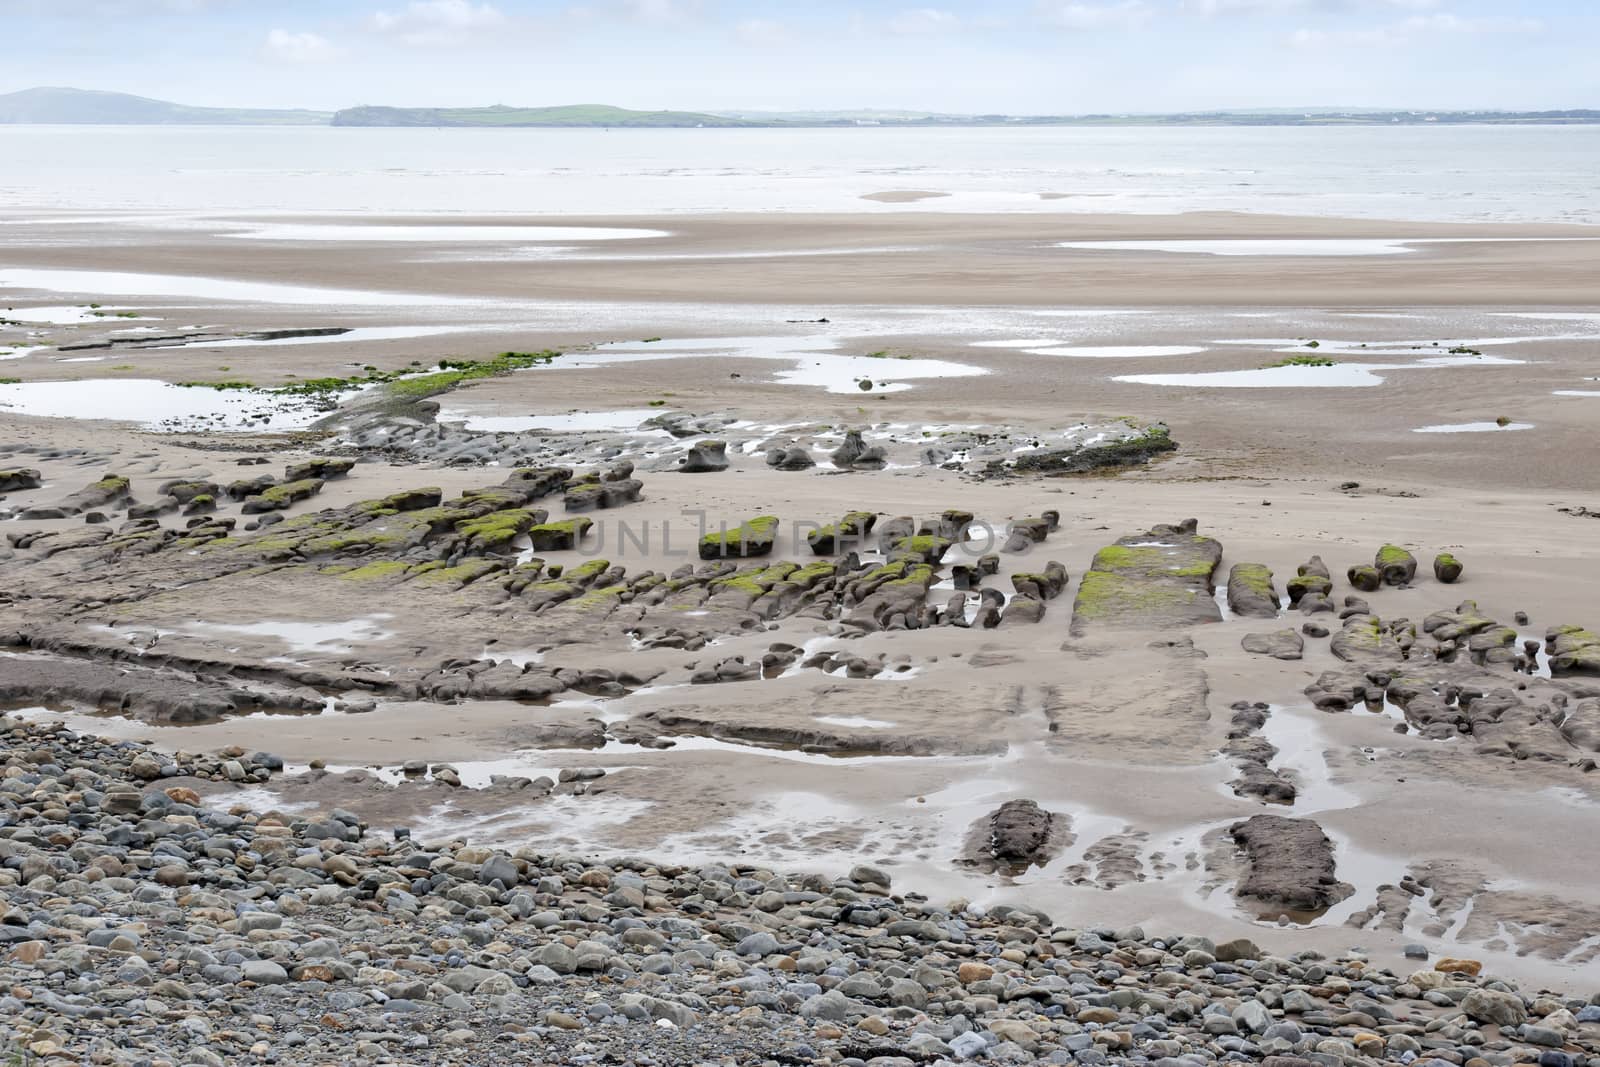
1573	650
318	467
1464	621
1035	527
594	493
1364	578
281	497
1041	585
185	491
892	595
244	488
1396	565
498	531
461	574
1365	638
1130	451
951	523
1303	585
1314	566
754	537
1154	580
15	478
588	571
1283	644
558	536
538	596
1446	568
927	548
1108	596
536	482
1251	593
161	505
113	489
846	534
380	571
705	457
523	575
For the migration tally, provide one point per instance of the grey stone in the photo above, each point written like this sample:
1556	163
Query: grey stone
263	972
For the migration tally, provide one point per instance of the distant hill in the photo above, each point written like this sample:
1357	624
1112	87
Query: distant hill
604	115
571	115
86	107
866	115
89	107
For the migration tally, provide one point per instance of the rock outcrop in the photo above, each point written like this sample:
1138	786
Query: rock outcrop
1159	579
1291	864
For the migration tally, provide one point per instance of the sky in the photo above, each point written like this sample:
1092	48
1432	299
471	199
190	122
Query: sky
963	56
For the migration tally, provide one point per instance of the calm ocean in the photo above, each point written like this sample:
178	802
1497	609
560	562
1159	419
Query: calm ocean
1509	173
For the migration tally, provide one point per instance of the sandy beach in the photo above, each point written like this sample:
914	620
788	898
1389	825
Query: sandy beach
955	344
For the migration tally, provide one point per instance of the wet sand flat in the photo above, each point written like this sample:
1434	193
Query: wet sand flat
953	343
905	258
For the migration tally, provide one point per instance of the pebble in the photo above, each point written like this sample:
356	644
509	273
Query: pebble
142	927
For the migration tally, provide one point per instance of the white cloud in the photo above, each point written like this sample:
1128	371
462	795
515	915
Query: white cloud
1377	37
282	46
761	32
1447	23
1413	28
109	8
924	20
1243	7
661	12
1281	7
1112	16
438	22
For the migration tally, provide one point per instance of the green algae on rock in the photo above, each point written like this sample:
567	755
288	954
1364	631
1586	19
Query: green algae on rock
1131	451
1396	565
1446	568
1157	579
558	536
849	532
754	537
1251	593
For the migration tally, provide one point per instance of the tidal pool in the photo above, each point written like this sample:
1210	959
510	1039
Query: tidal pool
813	361
122	283
1473	427
317	231
158	405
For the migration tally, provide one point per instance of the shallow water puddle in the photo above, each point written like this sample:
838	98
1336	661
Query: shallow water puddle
576	819
1456	353
357	333
1336	376
119	283
621	420
1340	376
345	232
1025	342
813	362
66	314
1300	741
1474	427
855	721
159	405
1315	246
1303	246
318	637
1116	351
